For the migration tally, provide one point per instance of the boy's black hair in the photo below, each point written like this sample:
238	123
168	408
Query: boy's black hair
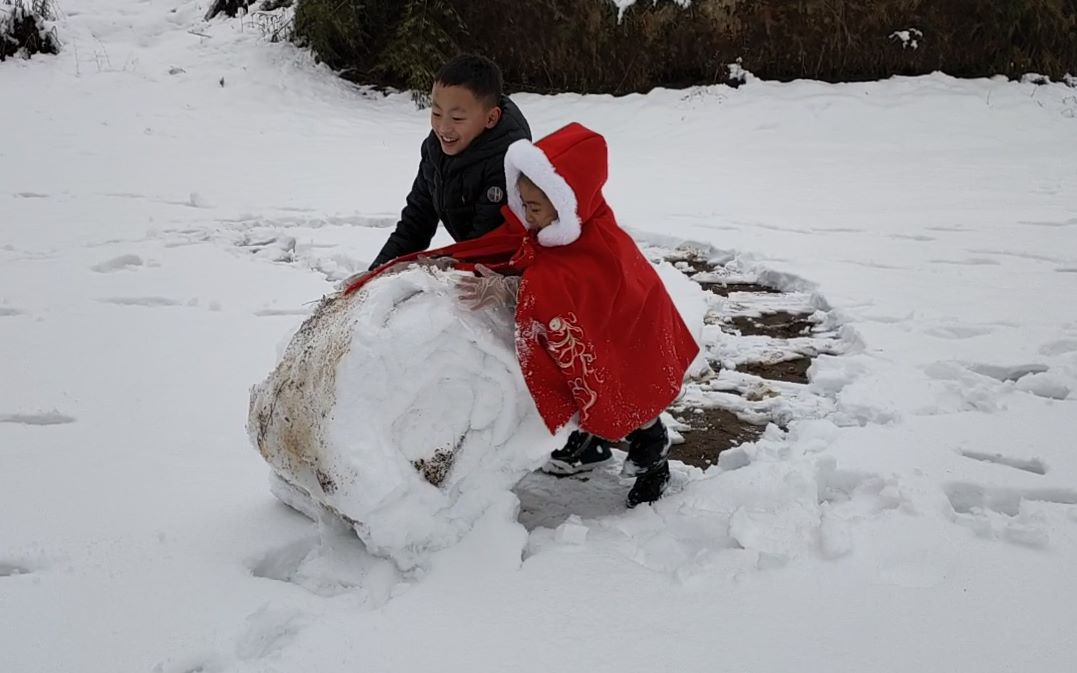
477	74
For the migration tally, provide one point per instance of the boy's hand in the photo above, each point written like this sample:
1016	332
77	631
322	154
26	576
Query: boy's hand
440	263
489	289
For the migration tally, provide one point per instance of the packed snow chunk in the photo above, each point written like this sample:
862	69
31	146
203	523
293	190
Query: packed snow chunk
400	411
1044	384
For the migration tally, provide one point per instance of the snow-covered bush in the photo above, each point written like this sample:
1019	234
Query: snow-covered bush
388	42
227	7
237	7
276	20
620	46
26	28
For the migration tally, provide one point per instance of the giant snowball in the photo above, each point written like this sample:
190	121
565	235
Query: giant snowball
400	411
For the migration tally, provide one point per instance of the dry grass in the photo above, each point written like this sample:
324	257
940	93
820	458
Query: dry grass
579	45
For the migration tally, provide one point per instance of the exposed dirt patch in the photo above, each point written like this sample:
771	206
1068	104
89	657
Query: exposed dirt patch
713	431
435	468
725	289
792	371
780	325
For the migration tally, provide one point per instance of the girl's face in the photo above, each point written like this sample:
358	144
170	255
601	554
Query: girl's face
538	210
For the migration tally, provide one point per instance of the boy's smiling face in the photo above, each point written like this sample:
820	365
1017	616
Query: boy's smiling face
538	211
457	117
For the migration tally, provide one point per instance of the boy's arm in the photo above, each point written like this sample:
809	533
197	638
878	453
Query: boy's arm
417	226
488	207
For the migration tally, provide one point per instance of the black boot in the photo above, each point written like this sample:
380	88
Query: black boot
583	451
647	449
650	486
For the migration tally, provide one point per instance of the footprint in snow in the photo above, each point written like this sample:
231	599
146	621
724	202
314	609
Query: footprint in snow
1051	348
331	563
950	229
190	664
47	418
118	264
1033	465
913	237
141	301
269	629
1052	224
997	512
968	261
1003	373
269	312
957	331
12	569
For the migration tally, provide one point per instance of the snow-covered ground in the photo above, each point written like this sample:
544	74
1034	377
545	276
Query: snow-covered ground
173	198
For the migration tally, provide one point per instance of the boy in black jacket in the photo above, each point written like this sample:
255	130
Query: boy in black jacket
461	179
461	182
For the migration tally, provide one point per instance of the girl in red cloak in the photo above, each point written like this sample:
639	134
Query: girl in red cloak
597	334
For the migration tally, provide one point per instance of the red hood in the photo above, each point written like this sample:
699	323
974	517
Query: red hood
570	165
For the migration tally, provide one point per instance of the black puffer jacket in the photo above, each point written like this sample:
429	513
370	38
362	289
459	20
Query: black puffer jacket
465	191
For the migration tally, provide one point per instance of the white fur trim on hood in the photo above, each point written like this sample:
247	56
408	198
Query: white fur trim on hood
523	158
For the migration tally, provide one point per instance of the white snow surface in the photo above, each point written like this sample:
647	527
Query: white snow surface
162	234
